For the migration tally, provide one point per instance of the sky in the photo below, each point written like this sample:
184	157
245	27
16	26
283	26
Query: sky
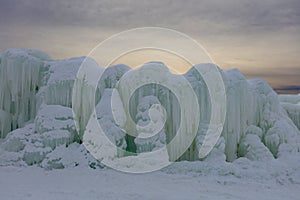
259	37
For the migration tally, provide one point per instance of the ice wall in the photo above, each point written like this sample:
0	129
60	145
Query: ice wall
177	118
254	103
106	120
150	139
62	75
35	101
252	108
36	95
21	78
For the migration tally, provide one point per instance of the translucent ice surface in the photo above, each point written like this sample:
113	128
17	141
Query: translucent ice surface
37	125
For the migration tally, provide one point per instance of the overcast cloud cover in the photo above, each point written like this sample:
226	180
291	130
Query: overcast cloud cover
260	37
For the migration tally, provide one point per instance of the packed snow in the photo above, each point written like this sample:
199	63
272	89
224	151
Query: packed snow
41	155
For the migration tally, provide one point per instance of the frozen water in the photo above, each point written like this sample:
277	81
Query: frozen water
291	103
20	79
37	123
61	77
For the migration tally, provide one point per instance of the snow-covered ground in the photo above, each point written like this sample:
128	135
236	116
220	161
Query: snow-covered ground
186	180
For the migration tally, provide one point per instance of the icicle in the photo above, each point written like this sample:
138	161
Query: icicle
20	79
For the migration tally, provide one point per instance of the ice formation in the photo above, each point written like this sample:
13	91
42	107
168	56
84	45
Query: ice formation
22	74
61	75
291	103
37	124
152	135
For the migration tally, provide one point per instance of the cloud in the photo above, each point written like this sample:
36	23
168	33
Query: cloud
229	15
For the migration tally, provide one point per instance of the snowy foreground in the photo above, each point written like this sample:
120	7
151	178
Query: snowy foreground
256	157
185	180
